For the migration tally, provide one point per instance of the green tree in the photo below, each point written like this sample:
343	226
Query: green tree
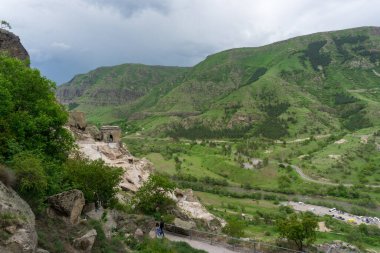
30	118
96	180
234	227
31	180
153	196
299	228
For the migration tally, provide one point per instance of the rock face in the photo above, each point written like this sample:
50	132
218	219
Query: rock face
68	204
77	120
84	244
191	209
11	44
17	222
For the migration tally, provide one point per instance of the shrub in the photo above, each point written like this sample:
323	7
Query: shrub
234	228
31	178
95	179
153	197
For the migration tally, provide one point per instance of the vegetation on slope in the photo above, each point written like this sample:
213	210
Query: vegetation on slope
223	96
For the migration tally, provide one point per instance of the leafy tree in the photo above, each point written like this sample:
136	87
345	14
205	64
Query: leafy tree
235	228
31	181
299	228
96	180
5	24
30	117
153	196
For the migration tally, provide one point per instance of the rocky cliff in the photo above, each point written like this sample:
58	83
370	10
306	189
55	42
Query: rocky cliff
10	44
17	224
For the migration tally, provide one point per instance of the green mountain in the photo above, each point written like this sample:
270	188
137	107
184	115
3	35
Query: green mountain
314	84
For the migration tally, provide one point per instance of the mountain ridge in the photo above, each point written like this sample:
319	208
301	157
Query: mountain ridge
309	78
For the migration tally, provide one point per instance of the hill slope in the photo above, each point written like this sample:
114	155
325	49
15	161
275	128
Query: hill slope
314	84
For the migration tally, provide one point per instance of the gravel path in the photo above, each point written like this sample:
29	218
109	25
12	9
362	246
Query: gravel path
199	245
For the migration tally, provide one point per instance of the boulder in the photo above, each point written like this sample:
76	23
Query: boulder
67	204
152	233
17	221
184	224
139	234
84	244
77	120
94	132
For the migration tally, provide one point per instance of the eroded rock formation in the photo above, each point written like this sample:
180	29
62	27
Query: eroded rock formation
68	205
17	221
10	44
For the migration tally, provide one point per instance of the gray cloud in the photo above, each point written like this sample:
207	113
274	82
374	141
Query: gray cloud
68	37
131	7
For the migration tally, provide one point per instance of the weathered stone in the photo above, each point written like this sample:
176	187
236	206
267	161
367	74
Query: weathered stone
94	132
88	207
152	233
84	244
184	224
111	133
77	120
10	44
11	229
139	233
19	221
68	204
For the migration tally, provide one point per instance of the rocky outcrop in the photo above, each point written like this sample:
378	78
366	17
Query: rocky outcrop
191	209
77	120
10	44
84	244
67	205
338	247
17	223
184	224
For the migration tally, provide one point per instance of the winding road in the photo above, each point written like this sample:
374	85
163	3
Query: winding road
307	178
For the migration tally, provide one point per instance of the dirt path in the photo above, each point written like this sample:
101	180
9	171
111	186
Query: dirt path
304	139
307	178
199	245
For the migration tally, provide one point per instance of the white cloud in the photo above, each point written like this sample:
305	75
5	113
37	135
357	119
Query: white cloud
77	35
60	45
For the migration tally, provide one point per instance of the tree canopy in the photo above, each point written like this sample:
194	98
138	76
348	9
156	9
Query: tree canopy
30	117
153	196
299	228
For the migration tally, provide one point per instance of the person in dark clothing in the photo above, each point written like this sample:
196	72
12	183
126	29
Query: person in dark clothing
162	227
158	231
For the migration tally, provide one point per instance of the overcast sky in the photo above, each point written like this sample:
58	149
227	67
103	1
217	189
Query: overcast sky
67	37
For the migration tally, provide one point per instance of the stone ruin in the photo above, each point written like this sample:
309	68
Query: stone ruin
111	133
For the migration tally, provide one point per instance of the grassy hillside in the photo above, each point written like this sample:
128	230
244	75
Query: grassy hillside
314	84
109	94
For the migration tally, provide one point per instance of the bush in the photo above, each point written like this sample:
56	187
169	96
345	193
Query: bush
234	228
96	180
152	197
31	178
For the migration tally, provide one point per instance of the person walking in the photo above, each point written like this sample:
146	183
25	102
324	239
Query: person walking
158	231
162	227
